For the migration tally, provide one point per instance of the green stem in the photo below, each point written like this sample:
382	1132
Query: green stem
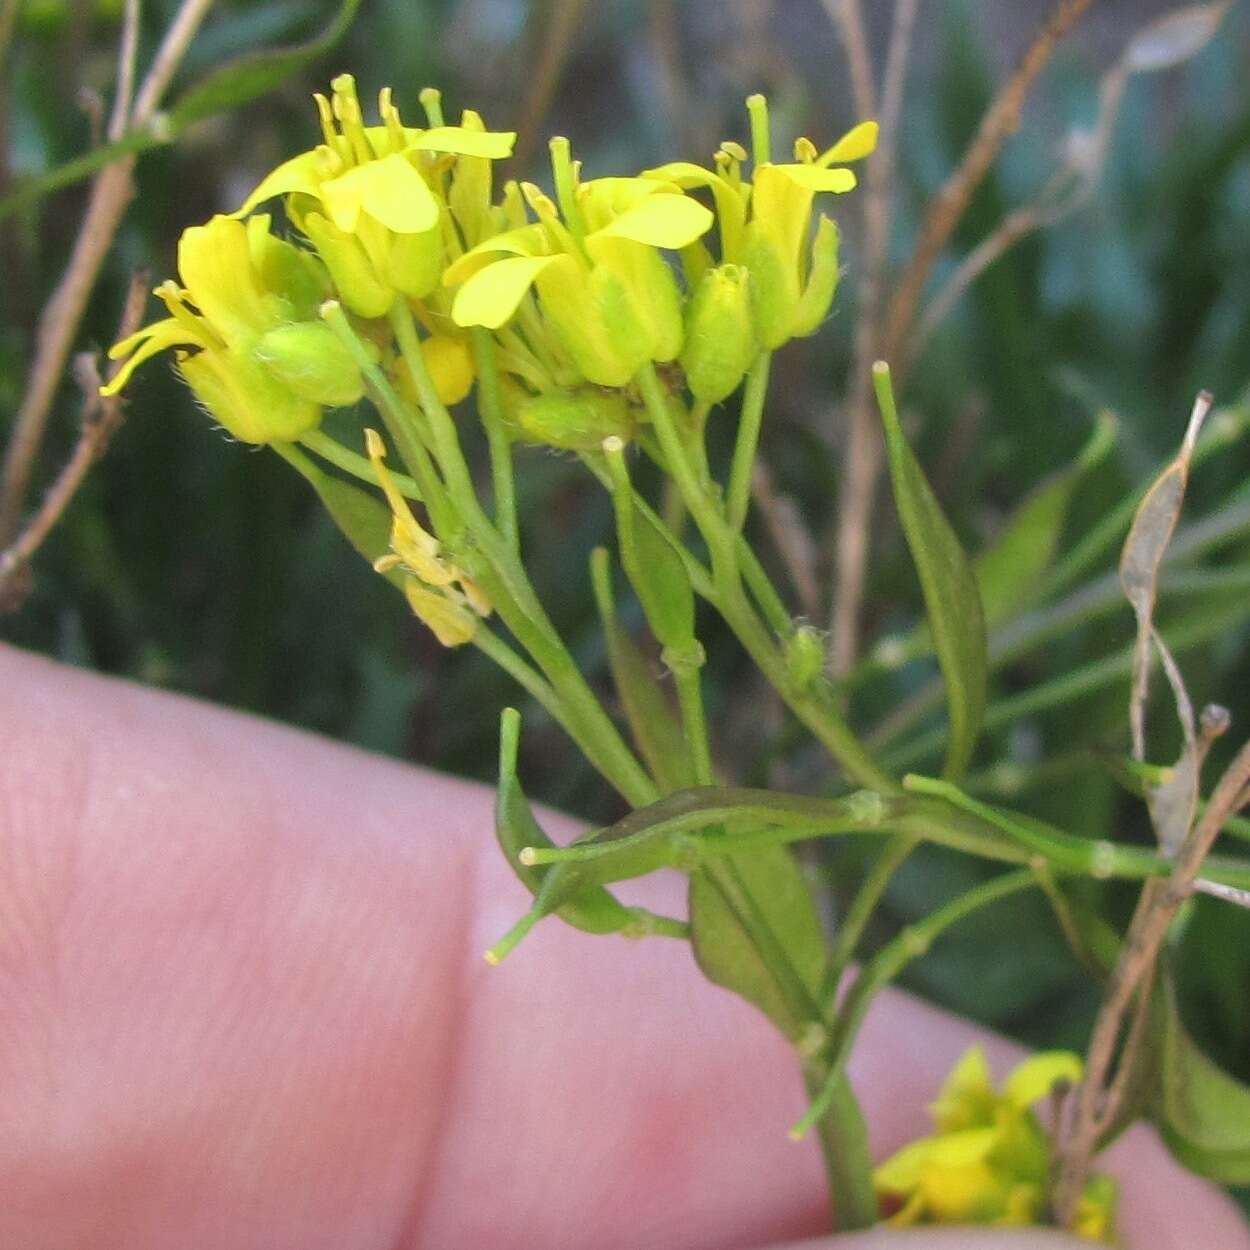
914	941
887	863
495	566
844	1147
694	722
352	462
842	1132
400	421
746	445
490	409
817	713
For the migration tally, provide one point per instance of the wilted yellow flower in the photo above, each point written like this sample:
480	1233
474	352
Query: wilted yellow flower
370	197
438	591
989	1161
260	362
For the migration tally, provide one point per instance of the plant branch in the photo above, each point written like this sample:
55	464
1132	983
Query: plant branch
101	417
862	463
1156	907
1000	120
111	193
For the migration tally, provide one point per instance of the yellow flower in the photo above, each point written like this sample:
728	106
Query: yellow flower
989	1161
603	284
370	197
765	225
438	591
259	360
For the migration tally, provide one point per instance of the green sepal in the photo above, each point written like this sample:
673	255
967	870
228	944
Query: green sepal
952	599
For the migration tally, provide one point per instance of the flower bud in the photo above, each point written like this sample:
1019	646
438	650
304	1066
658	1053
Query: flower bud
595	320
450	363
246	399
354	278
822	281
805	657
414	262
576	420
309	359
774	286
720	341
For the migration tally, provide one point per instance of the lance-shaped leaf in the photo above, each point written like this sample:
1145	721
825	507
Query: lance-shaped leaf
951	597
1008	570
652	724
755	931
1202	1112
255	73
363	519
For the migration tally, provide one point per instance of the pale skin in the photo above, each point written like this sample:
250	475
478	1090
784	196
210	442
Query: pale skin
243	1007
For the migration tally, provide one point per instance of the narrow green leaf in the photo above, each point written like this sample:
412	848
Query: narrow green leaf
226	87
653	726
754	912
363	519
952	600
1202	1113
1009	569
595	911
255	73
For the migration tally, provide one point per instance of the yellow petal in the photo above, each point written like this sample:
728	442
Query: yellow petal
857	143
962	1149
969	1194
491	296
814	178
1037	1076
450	623
300	173
495	145
390	191
900	1173
528	240
661	220
215	262
143	346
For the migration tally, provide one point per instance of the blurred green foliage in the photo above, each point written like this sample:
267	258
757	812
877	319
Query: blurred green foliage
189	563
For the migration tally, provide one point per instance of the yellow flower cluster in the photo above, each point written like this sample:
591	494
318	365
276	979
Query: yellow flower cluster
400	248
579	291
989	1161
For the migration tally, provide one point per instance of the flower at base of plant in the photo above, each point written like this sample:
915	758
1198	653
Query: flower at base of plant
259	360
989	1161
438	591
371	198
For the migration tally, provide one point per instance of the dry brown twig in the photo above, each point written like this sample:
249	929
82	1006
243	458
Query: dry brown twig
863	446
101	417
1110	1065
111	193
